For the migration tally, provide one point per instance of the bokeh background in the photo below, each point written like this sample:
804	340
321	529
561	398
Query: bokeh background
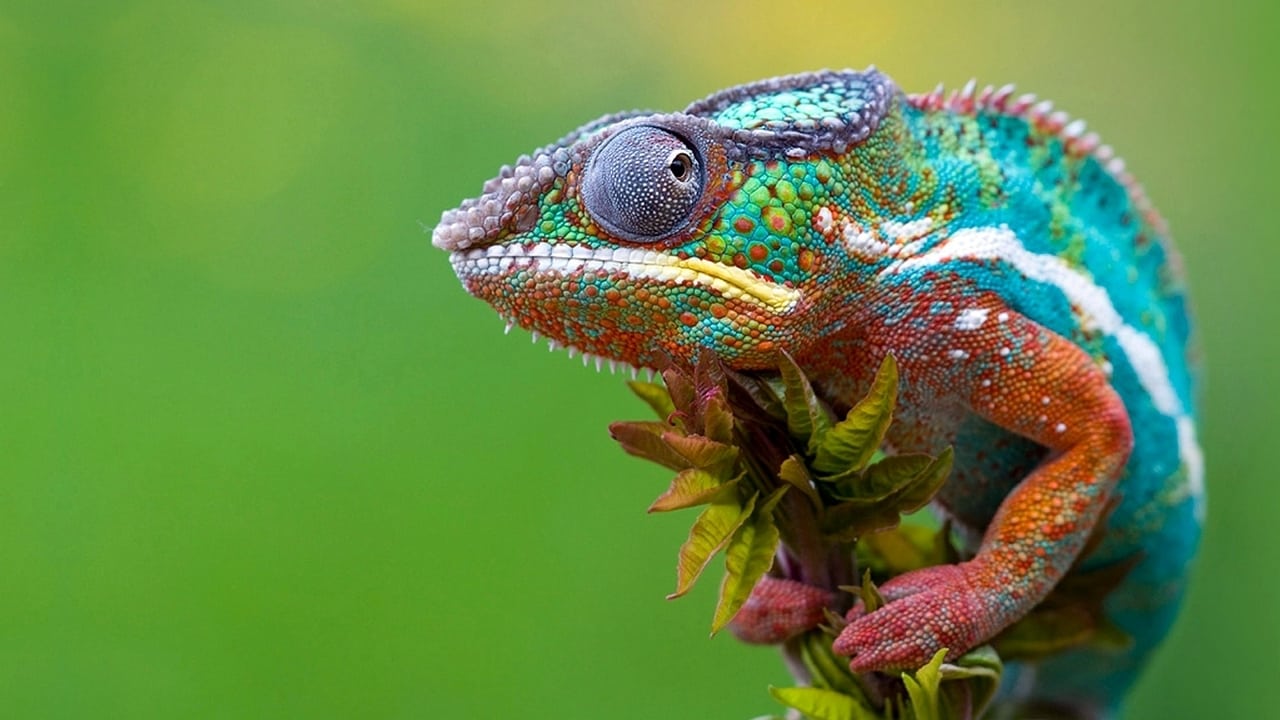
261	457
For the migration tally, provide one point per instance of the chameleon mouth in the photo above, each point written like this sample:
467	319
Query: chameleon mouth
731	283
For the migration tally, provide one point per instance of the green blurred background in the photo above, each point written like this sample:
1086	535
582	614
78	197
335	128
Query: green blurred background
257	456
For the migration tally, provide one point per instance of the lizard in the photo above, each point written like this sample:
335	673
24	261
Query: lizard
1021	277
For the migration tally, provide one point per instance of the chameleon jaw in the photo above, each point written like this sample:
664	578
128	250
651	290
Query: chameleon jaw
731	283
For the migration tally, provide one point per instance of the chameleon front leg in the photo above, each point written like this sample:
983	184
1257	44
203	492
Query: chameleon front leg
1033	382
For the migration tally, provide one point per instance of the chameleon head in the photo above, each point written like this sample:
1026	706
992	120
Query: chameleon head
645	234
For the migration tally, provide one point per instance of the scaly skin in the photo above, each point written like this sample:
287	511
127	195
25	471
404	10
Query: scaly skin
1015	270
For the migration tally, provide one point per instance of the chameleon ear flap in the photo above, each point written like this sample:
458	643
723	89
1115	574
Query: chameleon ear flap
825	111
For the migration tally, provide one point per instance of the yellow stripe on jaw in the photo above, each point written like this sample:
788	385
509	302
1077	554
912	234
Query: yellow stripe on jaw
734	282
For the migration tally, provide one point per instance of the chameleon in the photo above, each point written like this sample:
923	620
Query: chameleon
1018	273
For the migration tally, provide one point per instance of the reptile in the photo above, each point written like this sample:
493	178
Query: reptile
1017	272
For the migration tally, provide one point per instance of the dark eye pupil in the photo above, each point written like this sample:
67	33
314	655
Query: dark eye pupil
680	166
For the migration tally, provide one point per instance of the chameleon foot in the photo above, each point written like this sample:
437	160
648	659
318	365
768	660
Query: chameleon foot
778	610
926	610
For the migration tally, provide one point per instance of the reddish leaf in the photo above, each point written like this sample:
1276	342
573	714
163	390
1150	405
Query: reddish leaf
690	488
700	452
717	419
648	440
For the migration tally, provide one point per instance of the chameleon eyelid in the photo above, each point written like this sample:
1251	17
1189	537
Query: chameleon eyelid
631	189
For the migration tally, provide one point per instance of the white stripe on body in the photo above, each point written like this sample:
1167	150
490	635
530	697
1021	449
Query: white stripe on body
1001	243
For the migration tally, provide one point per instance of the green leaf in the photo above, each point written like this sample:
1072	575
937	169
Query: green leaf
826	670
795	473
851	520
852	442
747	558
900	550
689	488
1045	632
819	703
926	485
891	475
970	684
981	661
806	418
716	458
872	600
648	440
655	396
923	688
709	534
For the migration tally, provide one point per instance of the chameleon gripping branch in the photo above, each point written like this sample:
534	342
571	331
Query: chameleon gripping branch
1001	253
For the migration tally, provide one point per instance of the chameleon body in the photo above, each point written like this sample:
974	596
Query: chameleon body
1019	275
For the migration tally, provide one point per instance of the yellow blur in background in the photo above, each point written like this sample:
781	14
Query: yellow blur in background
261	457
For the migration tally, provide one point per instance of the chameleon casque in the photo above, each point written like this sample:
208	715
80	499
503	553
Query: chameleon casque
1019	275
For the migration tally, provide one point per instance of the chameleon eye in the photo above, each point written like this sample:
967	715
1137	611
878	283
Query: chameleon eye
641	184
